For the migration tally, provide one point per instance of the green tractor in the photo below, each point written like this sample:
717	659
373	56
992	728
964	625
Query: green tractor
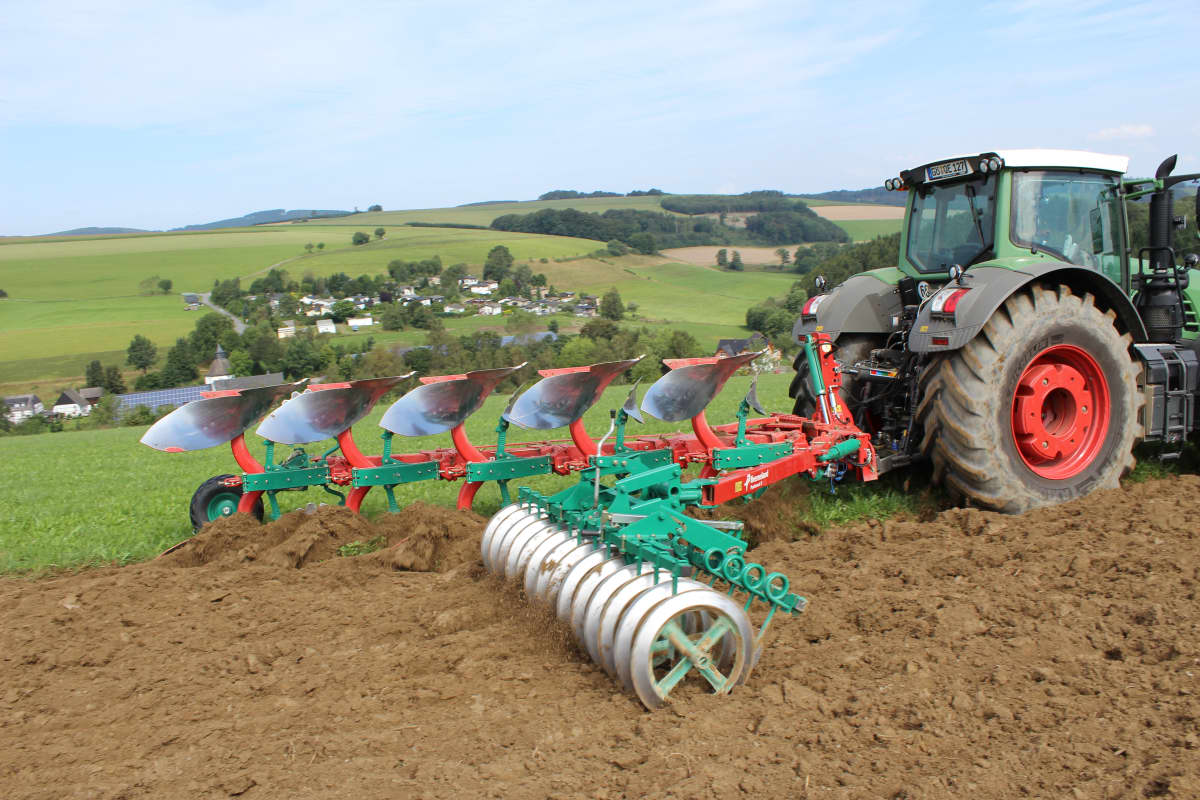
1020	343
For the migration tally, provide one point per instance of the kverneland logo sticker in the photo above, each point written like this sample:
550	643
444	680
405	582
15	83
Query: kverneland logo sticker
756	479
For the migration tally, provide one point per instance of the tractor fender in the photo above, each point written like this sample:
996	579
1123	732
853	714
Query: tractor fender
863	303
991	286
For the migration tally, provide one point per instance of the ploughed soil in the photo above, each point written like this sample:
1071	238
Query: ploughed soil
971	654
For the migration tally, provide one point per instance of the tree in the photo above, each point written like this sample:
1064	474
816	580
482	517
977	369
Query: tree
141	353
94	375
114	383
784	256
341	310
520	321
379	232
320	245
611	306
359	238
552	326
617	248
241	363
3	294
180	368
599	330
165	285
392	318
735	263
308	247
722	258
498	264
375	207
644	243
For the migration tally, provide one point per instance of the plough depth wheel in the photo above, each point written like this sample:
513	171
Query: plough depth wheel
214	500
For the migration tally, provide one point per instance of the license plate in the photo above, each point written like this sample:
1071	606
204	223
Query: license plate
951	169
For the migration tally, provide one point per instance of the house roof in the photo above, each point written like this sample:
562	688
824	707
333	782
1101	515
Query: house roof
29	400
92	393
735	347
70	396
220	364
250	382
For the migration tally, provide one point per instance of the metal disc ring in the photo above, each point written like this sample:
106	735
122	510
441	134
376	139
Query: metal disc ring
631	618
574	610
485	542
551	582
572	580
516	534
535	550
659	629
593	615
538	572
522	547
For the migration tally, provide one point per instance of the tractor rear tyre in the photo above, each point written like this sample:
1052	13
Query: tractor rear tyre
850	348
214	500
1041	407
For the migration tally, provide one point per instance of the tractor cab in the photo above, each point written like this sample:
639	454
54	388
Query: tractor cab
1044	204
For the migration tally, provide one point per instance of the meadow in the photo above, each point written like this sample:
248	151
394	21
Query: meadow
99	497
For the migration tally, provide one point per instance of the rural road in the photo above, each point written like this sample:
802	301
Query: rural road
239	327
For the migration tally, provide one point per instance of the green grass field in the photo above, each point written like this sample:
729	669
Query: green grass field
98	497
864	230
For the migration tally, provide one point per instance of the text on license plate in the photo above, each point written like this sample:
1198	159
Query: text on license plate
951	169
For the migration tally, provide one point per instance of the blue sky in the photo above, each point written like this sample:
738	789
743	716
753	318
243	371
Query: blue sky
154	115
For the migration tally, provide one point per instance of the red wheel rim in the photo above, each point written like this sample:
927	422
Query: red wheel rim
1060	412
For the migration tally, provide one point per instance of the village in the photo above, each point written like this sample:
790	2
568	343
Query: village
476	297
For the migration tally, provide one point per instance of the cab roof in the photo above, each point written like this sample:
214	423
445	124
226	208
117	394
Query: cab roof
1071	159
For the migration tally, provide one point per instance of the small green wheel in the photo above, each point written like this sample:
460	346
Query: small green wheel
214	500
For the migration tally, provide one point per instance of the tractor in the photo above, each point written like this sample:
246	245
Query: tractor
1020	343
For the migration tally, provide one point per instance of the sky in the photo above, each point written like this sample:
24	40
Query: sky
155	115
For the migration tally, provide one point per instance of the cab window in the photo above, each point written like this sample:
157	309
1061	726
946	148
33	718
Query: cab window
1069	215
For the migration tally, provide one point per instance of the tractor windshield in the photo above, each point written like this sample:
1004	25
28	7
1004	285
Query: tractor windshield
951	223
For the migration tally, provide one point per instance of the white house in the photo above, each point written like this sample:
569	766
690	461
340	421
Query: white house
480	290
71	403
326	326
360	322
467	281
23	406
455	308
286	332
491	309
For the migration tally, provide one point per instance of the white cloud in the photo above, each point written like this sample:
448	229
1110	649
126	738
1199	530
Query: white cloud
1127	131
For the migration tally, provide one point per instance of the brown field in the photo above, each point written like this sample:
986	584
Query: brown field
969	654
839	213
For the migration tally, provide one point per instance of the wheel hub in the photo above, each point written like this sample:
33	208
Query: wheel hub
1060	412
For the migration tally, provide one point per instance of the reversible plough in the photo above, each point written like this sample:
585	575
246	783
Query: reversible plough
652	592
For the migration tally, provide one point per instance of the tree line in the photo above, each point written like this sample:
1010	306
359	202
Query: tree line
571	194
648	231
760	200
